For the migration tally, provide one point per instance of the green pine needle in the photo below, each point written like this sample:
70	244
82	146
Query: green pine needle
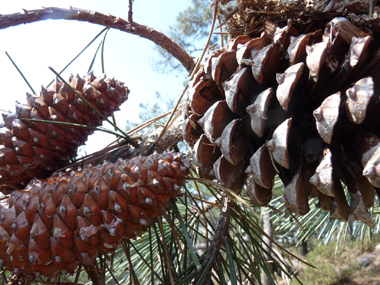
19	71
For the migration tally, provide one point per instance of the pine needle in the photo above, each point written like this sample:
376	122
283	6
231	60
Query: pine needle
187	237
19	71
102	53
93	59
127	137
167	257
101	32
203	209
174	231
195	70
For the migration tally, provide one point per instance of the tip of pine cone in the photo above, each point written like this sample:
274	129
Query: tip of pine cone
184	158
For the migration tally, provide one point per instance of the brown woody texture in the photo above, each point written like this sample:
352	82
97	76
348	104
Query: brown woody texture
29	16
53	225
35	149
303	106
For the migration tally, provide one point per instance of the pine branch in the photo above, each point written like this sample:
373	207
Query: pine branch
148	145
55	13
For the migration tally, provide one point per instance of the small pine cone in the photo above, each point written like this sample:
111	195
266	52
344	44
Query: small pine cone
303	106
35	149
67	219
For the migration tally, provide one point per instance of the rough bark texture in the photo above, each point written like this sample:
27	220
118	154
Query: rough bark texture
94	17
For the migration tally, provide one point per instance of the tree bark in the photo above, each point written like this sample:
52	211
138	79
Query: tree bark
55	13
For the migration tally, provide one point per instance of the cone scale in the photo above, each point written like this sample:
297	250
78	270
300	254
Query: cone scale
35	149
312	100
54	224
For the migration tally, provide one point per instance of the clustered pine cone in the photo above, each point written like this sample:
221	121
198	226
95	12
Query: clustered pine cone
305	107
53	224
35	149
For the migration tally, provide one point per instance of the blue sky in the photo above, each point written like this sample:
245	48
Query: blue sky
54	43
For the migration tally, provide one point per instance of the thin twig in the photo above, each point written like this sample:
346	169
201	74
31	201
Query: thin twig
370	9
55	13
221	30
234	10
5	197
275	210
228	33
298	223
294	217
149	122
264	12
227	191
194	71
168	124
207	202
130	12
172	114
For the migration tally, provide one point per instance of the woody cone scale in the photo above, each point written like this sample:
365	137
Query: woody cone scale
34	149
303	106
54	224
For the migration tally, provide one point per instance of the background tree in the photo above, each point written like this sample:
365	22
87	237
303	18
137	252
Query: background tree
189	31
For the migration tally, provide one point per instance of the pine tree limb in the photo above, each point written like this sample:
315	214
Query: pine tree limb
55	13
147	145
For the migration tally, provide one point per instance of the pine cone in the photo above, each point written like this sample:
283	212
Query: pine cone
35	149
56	223
303	106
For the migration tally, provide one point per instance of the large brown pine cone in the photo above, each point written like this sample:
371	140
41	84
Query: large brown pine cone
54	224
35	149
303	106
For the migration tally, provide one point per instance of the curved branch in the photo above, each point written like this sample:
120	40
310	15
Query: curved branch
54	13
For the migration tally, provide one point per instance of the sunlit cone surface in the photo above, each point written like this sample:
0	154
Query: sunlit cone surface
303	106
35	149
67	219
